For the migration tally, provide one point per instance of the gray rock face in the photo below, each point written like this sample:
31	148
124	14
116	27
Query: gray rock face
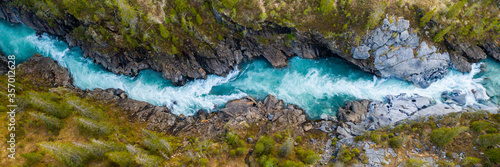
393	47
3	64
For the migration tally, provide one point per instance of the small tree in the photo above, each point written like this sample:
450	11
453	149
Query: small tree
148	160
121	158
52	123
67	153
286	148
94	126
443	136
427	17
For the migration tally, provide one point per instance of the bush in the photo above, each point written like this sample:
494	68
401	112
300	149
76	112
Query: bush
32	158
326	6
376	138
241	150
50	108
95	114
479	126
232	153
148	160
203	162
264	146
491	130
494	155
471	161
396	142
93	126
489	140
156	143
308	157
376	15
98	148
232	139
52	123
443	136
67	153
122	158
286	148
427	17
415	162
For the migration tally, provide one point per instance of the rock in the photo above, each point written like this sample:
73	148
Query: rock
456	96
45	72
250	140
308	127
354	111
324	116
473	53
361	52
491	48
393	52
460	63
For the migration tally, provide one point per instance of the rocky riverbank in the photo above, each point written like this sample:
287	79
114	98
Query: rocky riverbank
269	116
272	42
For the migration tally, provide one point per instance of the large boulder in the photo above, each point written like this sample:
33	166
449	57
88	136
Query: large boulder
491	48
354	111
397	53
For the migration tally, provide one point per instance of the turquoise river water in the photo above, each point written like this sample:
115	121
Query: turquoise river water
318	86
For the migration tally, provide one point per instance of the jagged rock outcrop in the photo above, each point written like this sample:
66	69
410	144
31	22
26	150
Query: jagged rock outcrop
395	51
490	46
45	72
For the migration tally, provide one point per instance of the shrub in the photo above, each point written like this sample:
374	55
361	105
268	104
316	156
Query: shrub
489	140
264	146
52	123
51	109
67	153
491	130
286	148
326	6
298	139
494	155
148	160
443	136
32	158
240	150
95	114
444	163
413	162
232	153
99	148
203	162
289	163
376	15
396	142
471	161
232	139
93	126
156	143
479	126
308	157
439	37
427	17
163	31
122	158
376	138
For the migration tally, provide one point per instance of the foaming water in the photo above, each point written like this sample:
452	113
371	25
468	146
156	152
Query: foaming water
318	86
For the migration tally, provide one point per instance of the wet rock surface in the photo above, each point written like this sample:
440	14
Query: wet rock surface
398	53
3	64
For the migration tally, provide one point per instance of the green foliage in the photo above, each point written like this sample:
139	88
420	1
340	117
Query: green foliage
32	158
307	156
67	153
232	139
264	146
203	161
376	138
489	140
376	15
163	31
326	6
52	123
396	142
443	136
232	153
95	114
427	17
122	158
229	4
298	139
471	161
494	155
93	126
413	162
98	149
49	107
289	163
439	37
241	150
155	143
286	148
492	130
479	126
444	163
148	160
455	9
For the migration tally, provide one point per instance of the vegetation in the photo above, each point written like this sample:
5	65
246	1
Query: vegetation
443	136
